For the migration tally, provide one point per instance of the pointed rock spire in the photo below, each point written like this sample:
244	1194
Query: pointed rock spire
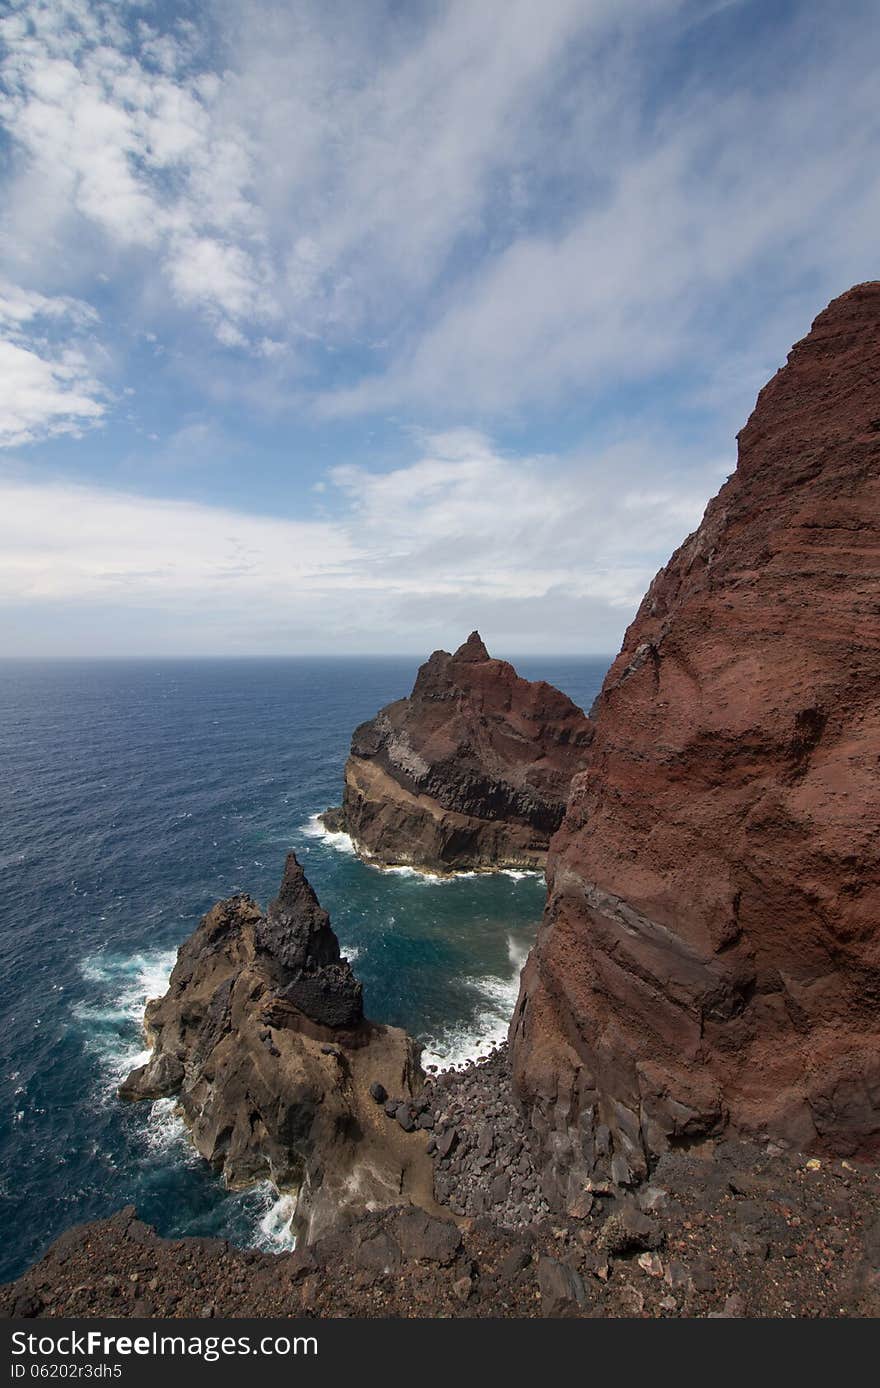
296	931
298	939
472	649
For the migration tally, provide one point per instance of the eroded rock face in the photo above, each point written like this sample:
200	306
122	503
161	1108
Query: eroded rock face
470	772
262	1037
710	952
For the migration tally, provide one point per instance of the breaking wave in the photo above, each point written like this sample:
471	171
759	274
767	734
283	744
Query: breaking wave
314	829
113	1022
270	1213
344	843
460	1045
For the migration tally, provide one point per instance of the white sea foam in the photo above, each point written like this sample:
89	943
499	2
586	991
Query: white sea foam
167	1133
344	843
461	1045
271	1212
114	1024
427	879
115	1035
437	879
314	829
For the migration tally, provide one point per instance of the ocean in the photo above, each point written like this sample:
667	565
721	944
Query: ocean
134	794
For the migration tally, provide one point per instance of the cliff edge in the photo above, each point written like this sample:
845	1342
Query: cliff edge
709	956
471	772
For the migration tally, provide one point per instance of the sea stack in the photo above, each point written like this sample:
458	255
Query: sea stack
709	957
471	772
262	1038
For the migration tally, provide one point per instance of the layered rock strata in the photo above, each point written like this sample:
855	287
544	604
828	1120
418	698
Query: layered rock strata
470	772
262	1038
710	952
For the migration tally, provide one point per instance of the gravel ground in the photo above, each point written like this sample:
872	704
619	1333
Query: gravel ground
726	1230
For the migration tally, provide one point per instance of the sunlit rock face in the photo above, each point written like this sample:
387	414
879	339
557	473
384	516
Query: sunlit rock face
472	771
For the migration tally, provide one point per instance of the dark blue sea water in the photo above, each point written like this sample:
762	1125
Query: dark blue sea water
132	796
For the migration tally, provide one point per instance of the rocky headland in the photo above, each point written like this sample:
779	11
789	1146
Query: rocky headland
262	1039
470	772
709	960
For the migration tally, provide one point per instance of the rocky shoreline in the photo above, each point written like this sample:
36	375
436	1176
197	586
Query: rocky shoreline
727	1229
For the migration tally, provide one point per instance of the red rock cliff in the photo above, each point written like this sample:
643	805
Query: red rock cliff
471	771
710	952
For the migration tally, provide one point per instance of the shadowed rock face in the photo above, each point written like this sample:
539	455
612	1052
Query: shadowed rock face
710	952
470	772
296	943
262	1037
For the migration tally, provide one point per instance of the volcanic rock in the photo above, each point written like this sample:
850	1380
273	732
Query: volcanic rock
242	1039
561	1287
710	951
470	772
399	1262
422	1236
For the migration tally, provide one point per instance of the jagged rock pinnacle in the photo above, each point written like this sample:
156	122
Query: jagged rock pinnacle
262	1037
297	932
472	649
300	946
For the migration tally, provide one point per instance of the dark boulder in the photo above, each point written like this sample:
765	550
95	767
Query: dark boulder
561	1287
423	1237
331	996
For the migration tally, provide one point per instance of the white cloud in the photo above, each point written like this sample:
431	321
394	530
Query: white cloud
464	518
71	544
464	211
495	204
40	398
46	388
547	557
127	142
223	277
19	306
322	168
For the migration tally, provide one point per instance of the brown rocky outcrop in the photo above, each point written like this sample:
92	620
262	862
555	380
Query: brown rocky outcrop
470	772
710	951
262	1038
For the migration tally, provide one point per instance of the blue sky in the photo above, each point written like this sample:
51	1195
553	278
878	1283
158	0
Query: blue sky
336	327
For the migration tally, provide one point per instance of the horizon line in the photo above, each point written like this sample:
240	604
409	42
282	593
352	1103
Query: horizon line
309	655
